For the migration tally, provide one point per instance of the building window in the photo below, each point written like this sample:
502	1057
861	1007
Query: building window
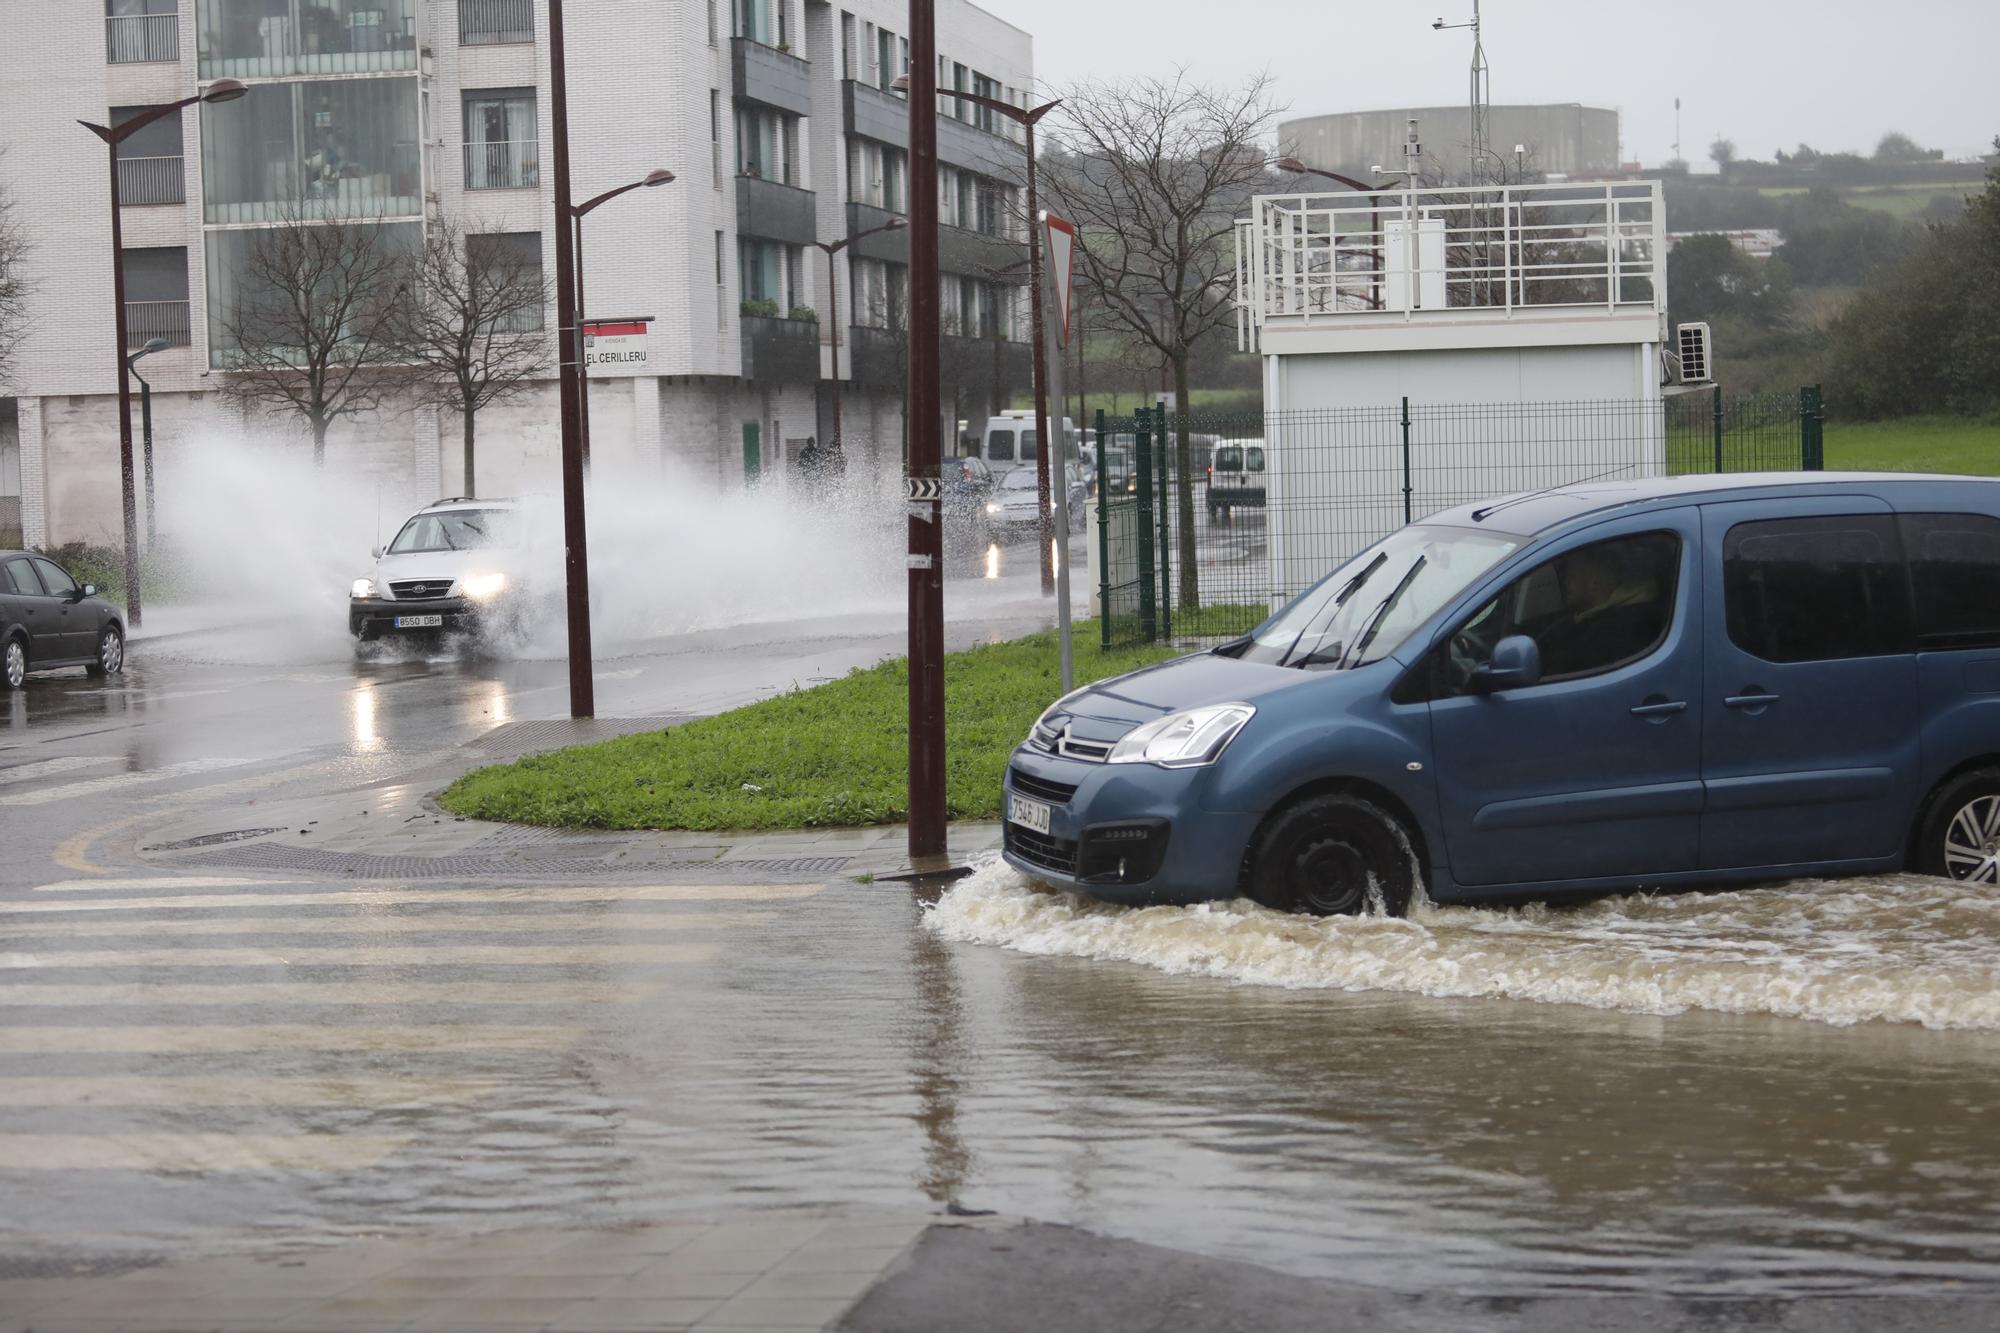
496	22
332	148
713	36
715	134
141	31
502	151
156	295
767	144
752	19
149	160
512	263
846	45
721	280
247	39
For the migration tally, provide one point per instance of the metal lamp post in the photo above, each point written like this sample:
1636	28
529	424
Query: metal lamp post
833	248
1480	95
1027	118
222	90
576	213
146	425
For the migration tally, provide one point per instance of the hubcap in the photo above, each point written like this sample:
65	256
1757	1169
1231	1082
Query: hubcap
1332	877
17	664
111	651
1972	841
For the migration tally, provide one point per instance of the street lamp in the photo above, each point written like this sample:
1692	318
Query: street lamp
833	248
659	176
146	425
222	90
1028	118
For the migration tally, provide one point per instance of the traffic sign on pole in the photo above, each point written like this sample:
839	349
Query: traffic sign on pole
1061	238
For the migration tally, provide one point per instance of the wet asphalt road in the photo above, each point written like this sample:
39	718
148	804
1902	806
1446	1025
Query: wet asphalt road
190	1061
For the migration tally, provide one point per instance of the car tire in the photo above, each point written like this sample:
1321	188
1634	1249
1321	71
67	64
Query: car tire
1334	855
1961	830
110	653
13	664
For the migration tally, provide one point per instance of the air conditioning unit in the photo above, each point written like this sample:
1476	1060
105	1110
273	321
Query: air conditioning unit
1691	342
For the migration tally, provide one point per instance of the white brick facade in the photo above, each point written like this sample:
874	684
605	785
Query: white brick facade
640	85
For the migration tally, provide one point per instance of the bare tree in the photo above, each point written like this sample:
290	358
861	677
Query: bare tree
1153	172
472	332
13	280
310	327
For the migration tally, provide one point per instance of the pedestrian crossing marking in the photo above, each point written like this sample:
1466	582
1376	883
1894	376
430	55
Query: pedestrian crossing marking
342	897
160	882
192	1039
194	1152
44	768
463	923
92	786
382	955
234	1090
268	994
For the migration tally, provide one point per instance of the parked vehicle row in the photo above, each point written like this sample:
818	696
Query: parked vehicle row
1603	687
49	620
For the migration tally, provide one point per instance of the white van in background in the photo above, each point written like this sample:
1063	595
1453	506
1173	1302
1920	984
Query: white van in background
1010	440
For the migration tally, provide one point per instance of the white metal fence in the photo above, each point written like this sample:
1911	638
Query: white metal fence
1416	253
502	164
132	39
151	180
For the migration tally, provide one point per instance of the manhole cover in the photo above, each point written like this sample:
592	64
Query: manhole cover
211	839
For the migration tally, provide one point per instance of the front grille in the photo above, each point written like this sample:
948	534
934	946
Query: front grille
1057	854
419	590
1040	788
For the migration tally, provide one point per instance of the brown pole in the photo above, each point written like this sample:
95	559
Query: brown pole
582	700
582	356
833	313
129	491
921	407
1043	524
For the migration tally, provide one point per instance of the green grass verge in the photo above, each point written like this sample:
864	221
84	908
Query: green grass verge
834	755
1915	444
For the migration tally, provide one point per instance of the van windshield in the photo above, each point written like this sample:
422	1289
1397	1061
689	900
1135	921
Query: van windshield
1364	610
1229	459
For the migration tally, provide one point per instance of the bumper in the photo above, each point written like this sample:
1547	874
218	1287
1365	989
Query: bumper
1228	497
373	617
1128	833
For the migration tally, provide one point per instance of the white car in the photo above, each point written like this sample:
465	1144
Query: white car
458	564
1011	504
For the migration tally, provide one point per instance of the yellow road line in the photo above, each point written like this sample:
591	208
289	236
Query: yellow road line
193	1152
343	897
145	1039
233	1090
340	955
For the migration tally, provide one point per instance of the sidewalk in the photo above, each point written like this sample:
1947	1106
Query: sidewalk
773	1272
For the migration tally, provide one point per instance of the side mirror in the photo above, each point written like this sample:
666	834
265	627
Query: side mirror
1516	661
374	553
90	590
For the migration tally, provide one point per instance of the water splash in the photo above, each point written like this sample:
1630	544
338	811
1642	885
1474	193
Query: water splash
1903	949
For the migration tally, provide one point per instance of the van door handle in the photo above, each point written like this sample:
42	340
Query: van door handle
1750	700
1660	709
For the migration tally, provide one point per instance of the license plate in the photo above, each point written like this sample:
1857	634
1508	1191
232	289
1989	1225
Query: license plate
419	622
1030	815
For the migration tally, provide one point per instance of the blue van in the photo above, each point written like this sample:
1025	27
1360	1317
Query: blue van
1689	681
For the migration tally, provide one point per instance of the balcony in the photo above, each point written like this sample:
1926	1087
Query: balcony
874	114
1440	264
780	351
885	117
146	320
774	212
891	247
877	358
137	39
151	180
495	22
772	77
503	165
976	254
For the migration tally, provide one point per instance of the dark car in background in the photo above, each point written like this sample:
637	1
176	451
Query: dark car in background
49	620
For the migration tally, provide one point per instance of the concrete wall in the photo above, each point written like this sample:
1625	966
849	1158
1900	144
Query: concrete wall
1564	137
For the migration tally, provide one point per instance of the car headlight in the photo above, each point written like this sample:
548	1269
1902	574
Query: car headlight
362	588
483	587
1186	739
993	508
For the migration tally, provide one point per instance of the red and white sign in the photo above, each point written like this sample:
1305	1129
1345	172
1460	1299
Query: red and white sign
615	346
1059	244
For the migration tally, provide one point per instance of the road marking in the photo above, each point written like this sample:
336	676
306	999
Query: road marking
235	1090
49	767
165	1039
343	897
193	1152
467	923
421	955
159	882
267	994
92	786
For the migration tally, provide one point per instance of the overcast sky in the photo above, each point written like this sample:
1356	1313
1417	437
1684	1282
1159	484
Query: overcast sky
1766	73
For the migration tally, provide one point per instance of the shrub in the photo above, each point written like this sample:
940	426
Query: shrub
761	309
805	314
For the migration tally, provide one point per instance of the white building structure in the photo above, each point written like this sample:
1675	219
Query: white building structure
774	115
1542	304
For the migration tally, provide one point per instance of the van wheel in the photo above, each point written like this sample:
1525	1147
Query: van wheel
1334	855
1960	838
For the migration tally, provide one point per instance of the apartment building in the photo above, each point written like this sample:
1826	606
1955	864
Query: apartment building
776	117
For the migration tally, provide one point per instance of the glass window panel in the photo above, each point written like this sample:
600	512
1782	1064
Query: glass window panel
261	39
334	148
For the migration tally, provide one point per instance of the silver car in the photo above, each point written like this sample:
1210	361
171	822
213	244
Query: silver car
457	564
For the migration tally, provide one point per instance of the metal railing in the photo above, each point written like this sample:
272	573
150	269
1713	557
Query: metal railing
495	22
134	39
151	180
146	320
1441	253
502	165
527	319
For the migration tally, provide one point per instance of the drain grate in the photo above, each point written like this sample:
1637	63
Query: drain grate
30	1266
802	865
212	839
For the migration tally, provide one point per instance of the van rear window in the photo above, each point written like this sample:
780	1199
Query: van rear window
1816	589
1955	574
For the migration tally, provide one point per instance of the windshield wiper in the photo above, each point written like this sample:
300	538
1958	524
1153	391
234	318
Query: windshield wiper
1353	586
1381	613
